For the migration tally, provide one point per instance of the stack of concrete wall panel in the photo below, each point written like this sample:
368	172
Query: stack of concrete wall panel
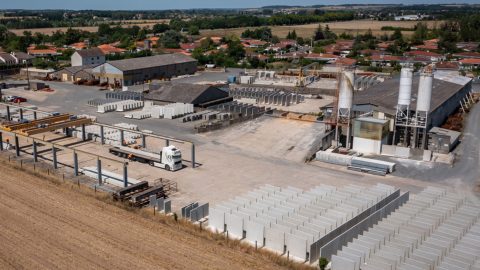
169	111
267	96
433	230
289	220
125	95
120	106
111	136
138	115
241	108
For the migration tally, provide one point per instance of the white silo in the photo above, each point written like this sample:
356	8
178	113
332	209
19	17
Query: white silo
405	91
345	102
402	117
345	96
424	97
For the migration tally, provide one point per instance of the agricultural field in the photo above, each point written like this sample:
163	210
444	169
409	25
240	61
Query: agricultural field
48	225
349	27
128	23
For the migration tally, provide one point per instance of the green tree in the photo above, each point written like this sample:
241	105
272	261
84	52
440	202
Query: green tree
160	28
420	33
193	30
397	34
319	35
322	263
171	39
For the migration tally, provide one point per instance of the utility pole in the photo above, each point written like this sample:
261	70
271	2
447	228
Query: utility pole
28	76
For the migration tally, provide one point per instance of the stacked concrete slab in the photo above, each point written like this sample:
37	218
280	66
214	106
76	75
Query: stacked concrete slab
244	109
120	106
125	95
433	230
289	220
267	96
111	136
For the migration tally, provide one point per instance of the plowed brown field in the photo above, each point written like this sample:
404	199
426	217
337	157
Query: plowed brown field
44	225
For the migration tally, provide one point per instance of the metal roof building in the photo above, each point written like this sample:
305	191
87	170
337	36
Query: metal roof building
138	70
187	93
448	90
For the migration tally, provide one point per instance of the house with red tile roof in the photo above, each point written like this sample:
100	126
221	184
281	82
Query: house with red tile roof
434	57
447	66
78	46
469	63
327	57
110	49
51	51
467	55
189	47
253	43
346	62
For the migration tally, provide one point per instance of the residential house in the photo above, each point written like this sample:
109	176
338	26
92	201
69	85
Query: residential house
429	56
93	56
110	49
464	55
469	63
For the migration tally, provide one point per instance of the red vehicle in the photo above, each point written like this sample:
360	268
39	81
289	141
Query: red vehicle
19	100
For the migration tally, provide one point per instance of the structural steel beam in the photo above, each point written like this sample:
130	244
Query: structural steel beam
32	124
70	123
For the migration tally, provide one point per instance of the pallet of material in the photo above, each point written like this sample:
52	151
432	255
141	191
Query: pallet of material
127	192
142	198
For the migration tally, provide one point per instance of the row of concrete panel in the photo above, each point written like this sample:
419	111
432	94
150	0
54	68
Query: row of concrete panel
110	136
244	108
419	235
290	220
120	106
267	96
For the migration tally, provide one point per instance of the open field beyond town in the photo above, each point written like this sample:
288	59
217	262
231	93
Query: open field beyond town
128	23
349	27
51	226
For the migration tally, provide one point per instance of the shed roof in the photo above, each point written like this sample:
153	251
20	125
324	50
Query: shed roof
151	61
385	95
186	93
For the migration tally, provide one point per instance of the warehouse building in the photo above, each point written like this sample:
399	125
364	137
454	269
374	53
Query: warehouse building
76	73
447	92
187	93
139	70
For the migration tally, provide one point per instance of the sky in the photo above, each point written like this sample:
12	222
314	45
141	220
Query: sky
187	4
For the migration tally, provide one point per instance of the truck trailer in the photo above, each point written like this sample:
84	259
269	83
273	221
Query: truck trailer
170	158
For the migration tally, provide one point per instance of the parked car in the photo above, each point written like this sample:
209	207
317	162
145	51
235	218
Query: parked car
19	100
10	98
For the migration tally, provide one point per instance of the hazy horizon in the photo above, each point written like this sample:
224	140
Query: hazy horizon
191	4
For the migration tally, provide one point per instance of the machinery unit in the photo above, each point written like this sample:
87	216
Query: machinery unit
170	158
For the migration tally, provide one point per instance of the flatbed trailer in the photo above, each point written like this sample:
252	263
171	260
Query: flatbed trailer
169	158
127	192
133	155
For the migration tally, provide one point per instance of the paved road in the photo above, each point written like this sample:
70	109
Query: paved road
465	173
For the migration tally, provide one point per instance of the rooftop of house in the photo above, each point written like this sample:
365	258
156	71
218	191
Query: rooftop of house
93	52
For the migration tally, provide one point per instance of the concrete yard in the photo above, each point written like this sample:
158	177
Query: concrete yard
232	161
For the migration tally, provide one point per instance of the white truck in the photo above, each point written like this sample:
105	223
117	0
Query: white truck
170	158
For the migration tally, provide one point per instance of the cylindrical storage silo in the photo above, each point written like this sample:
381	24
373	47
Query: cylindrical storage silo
405	92
345	98
425	92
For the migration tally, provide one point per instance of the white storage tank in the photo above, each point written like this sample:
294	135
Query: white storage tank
425	86
345	98
405	92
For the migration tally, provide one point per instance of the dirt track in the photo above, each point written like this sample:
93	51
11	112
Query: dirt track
48	226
